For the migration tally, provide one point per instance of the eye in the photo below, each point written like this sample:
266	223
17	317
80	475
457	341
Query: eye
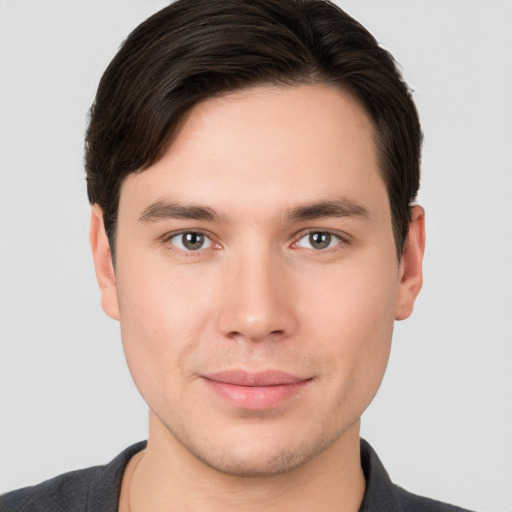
190	241
318	240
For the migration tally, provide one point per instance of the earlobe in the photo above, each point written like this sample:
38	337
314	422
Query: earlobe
103	264
411	274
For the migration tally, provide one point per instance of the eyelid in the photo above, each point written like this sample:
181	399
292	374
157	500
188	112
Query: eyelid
344	239
168	236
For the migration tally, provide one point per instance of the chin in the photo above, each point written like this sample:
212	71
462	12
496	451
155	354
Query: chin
260	455
255	464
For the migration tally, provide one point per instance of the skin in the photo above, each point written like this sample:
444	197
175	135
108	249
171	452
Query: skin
259	295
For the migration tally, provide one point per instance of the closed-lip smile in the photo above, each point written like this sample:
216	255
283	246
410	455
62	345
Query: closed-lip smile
256	390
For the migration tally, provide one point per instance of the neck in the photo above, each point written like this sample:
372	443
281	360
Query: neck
166	476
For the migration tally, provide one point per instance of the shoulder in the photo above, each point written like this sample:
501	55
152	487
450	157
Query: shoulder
382	495
410	501
61	493
93	489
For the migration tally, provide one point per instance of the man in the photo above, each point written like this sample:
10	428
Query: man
252	169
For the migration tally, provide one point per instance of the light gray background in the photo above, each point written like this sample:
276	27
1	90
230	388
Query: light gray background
442	422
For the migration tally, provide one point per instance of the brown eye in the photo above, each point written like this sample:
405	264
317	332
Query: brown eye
190	241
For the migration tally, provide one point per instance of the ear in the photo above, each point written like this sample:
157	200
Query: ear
411	274
103	264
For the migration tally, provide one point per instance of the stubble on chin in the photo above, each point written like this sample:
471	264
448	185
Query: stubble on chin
257	459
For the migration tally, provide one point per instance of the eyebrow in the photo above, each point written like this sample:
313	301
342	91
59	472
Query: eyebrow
161	210
342	207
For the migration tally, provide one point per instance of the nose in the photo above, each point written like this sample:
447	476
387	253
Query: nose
257	300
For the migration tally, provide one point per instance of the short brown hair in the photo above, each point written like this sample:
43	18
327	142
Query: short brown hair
196	49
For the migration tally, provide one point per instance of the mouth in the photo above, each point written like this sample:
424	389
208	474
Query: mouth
256	391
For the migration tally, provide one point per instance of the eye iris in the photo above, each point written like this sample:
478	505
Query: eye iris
193	241
320	240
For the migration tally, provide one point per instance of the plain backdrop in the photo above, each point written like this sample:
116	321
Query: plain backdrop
442	421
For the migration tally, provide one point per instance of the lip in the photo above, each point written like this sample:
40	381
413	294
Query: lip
256	391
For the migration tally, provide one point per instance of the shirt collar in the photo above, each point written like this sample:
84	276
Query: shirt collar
380	494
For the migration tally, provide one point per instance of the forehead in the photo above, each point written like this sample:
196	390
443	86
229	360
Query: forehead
273	145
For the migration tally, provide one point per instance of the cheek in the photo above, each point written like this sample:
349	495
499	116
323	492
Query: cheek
163	316
354	325
159	298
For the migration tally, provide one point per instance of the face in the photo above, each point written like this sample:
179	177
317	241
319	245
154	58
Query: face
256	278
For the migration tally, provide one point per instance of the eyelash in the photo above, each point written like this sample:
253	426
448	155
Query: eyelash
168	240
342	240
